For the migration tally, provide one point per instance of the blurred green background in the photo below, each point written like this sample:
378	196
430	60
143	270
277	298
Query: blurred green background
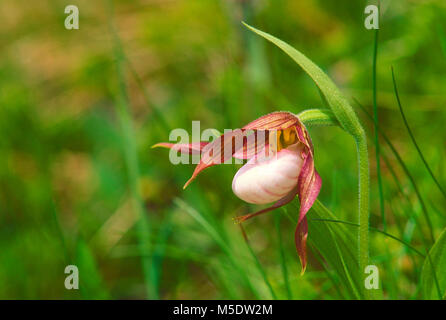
80	109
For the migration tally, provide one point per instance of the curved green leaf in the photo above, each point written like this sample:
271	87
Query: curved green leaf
433	275
318	117
336	100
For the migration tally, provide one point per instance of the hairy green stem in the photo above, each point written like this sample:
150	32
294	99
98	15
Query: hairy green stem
325	117
364	194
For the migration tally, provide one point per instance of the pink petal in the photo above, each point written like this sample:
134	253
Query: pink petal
300	238
218	151
273	121
309	186
190	148
239	143
265	180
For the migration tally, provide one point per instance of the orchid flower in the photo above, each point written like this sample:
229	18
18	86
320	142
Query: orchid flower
280	166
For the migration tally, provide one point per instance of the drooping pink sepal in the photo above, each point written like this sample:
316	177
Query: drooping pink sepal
309	185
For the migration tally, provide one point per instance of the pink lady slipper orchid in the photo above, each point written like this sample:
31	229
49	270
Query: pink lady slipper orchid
280	166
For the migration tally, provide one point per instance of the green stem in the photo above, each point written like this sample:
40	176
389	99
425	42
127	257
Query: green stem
364	193
258	264
282	257
318	117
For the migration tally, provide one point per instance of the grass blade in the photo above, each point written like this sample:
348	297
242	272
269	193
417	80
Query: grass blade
434	283
219	240
258	264
282	258
332	278
408	174
375	230
442	36
412	137
131	160
164	125
375	122
334	243
91	285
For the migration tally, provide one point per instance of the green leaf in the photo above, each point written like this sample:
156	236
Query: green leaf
336	100
433	277
90	283
336	245
318	117
213	232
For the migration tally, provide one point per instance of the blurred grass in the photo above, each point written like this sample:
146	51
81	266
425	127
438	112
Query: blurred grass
71	164
131	160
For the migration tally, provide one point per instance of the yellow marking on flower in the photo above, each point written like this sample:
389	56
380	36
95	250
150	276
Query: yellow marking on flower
286	138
